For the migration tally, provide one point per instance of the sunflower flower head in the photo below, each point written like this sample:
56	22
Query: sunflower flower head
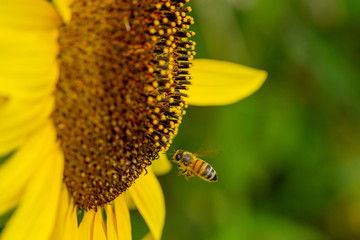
121	92
90	94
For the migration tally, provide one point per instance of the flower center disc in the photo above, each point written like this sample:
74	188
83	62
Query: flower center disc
120	95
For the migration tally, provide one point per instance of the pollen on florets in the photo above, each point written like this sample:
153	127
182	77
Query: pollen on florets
121	92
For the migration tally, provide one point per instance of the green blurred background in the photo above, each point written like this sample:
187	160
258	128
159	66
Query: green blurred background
287	157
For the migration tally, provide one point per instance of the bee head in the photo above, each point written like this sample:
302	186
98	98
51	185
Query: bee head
178	155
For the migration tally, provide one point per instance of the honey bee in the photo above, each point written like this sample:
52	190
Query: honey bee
189	165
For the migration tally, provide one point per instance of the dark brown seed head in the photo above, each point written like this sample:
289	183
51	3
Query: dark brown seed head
121	93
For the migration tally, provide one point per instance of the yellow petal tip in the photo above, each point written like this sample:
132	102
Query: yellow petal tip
221	83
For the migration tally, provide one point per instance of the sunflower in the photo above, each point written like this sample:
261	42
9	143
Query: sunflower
89	96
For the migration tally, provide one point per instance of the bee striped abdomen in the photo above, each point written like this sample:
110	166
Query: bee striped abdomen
204	170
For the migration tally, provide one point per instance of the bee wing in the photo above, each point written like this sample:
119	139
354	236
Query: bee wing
209	148
207	152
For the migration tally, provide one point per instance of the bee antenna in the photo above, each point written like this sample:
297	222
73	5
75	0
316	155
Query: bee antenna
174	150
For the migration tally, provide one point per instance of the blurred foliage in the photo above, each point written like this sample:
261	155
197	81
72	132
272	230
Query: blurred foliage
288	157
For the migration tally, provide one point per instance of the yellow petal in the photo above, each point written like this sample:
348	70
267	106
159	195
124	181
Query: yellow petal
3	101
130	202
161	165
63	7
58	231
111	223
34	14
86	228
148	236
220	83
34	218
17	171
149	200
99	226
29	47
122	216
20	118
6	147
71	231
28	66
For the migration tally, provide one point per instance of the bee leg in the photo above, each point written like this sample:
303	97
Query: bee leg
181	169
189	175
182	172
